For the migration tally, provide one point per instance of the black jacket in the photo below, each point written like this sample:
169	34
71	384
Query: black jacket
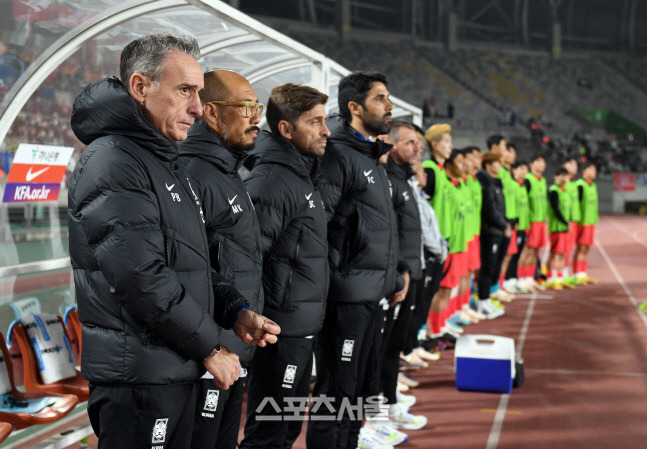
406	210
362	226
283	187
139	249
493	221
232	226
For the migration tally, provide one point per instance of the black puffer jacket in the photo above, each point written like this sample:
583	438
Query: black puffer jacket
139	249
493	221
232	225
409	228
283	187
362	227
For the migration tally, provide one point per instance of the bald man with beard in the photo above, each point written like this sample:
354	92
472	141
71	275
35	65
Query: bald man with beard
213	152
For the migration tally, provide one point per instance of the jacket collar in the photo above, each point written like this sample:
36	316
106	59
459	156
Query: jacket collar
271	149
401	172
206	145
105	108
341	132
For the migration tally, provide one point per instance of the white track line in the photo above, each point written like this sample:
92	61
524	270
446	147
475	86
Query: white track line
497	424
633	235
621	281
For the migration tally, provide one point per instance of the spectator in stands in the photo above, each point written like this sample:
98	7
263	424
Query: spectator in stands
139	251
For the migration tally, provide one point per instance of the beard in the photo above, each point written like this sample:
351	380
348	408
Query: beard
240	145
375	124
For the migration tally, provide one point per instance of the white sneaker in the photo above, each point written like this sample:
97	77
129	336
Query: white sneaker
489	310
451	330
401	419
366	442
426	355
414	361
384	434
502	296
409	382
407	400
401	387
465	316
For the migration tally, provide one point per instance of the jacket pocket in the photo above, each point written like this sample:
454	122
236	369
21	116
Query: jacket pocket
293	263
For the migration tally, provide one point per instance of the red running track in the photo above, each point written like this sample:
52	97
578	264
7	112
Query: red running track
585	353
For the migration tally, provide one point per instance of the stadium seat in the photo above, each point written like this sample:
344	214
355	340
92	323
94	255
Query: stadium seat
73	328
21	410
5	430
71	381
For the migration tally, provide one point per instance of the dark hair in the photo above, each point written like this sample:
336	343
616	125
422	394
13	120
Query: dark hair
536	157
519	164
452	156
354	87
394	134
493	140
489	158
588	164
511	145
470	149
568	159
561	171
146	55
288	101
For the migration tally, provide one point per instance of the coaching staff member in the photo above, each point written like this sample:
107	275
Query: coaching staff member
139	252
284	188
363	252
216	147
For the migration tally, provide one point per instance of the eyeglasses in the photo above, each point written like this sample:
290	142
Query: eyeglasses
250	107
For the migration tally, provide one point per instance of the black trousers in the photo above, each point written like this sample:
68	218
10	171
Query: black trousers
217	416
159	416
491	247
372	385
514	262
396	336
281	371
425	291
341	351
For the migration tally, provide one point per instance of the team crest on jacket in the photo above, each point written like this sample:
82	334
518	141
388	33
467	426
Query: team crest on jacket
288	377
211	401
159	430
369	178
347	350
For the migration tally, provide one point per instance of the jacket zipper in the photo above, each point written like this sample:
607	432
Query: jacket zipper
286	295
390	203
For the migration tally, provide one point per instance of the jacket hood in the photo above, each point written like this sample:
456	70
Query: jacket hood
106	108
202	143
341	132
275	150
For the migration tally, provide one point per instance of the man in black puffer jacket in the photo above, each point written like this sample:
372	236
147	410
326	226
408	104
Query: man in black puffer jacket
398	166
139	252
494	228
213	152
363	253
283	185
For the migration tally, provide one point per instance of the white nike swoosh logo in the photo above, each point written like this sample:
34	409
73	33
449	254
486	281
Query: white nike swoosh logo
169	188
29	176
308	197
366	173
232	200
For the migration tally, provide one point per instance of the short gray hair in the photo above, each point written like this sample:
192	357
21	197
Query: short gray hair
146	55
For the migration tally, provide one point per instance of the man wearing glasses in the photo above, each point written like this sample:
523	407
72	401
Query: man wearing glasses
213	152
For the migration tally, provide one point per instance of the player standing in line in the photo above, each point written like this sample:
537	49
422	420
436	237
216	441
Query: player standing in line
559	217
585	227
535	184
